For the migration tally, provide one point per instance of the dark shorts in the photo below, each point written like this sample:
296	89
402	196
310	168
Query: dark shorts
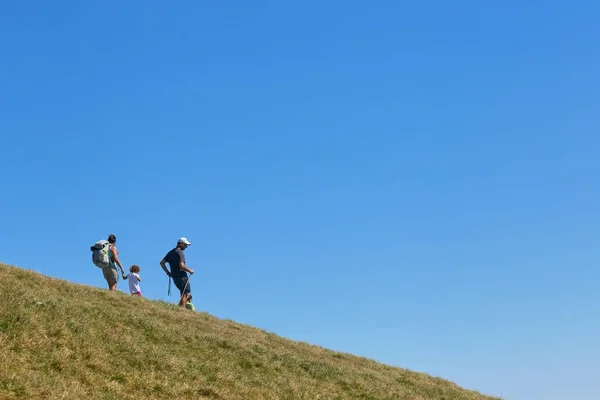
180	283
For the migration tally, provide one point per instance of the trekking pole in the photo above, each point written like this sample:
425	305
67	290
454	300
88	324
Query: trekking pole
187	281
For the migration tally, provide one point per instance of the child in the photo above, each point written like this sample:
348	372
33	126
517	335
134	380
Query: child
134	280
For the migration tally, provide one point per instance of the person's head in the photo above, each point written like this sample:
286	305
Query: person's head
135	269
183	243
112	239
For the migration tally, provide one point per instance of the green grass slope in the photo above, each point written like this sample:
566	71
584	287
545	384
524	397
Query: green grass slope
61	340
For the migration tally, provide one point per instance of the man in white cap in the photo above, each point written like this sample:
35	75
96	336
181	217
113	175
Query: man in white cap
179	270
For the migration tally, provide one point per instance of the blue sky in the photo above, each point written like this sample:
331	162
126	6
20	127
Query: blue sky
411	182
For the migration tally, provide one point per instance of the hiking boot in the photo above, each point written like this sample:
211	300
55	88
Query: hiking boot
190	306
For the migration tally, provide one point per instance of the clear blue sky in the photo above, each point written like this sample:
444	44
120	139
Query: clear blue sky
414	183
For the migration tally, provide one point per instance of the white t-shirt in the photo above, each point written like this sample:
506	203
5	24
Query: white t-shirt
134	282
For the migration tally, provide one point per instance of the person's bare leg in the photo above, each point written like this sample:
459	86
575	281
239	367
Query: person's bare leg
114	278
184	299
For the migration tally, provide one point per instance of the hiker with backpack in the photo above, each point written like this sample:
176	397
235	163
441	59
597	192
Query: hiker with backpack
179	271
106	256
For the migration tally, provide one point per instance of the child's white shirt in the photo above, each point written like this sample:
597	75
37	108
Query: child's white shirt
134	282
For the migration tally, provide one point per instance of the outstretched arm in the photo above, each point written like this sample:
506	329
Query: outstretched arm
115	257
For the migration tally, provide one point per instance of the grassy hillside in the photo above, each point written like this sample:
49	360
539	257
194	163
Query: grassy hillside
60	340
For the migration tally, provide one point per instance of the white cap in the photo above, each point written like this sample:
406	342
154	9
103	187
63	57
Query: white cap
184	240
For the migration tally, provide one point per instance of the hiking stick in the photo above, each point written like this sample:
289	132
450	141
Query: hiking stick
187	281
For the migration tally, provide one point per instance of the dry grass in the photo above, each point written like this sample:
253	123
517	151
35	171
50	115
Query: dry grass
60	340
